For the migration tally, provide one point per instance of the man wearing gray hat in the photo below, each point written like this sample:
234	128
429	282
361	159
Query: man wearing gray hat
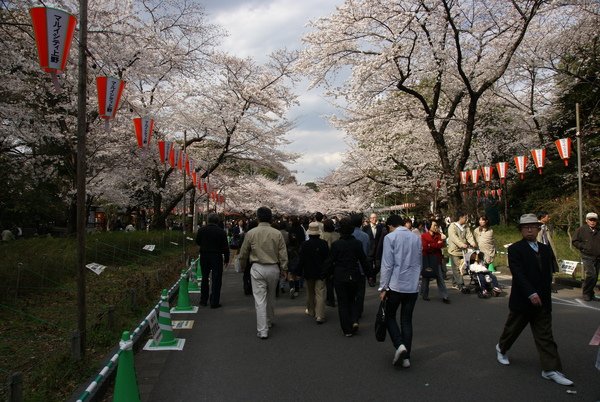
587	240
530	264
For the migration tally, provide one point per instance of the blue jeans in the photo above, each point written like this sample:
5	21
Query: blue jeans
403	334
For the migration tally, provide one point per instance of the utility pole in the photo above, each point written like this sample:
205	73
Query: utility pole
81	173
579	185
184	156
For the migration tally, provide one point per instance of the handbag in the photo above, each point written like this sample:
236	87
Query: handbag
429	270
380	325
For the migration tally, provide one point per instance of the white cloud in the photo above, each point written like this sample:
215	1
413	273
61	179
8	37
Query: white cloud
258	27
313	166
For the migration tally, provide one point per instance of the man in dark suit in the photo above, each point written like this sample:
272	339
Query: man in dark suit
531	265
375	231
212	241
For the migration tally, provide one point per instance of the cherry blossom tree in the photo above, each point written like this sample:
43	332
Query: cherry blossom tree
431	61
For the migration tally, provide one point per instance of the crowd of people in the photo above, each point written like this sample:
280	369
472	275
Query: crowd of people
335	259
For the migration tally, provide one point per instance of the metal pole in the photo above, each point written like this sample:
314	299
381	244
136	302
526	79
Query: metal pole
207	197
579	186
184	192
81	171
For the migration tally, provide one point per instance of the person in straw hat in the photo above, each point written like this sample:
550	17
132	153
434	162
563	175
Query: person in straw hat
531	264
311	266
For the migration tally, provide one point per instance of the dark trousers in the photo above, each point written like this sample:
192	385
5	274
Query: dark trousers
400	335
484	284
591	268
212	264
246	280
360	295
348	301
540	322
330	293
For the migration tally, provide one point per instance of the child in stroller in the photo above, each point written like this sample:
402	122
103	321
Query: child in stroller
484	281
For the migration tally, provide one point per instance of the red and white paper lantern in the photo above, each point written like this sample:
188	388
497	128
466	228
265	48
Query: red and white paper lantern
474	176
539	156
487	172
502	168
521	164
164	150
564	149
110	90
464	177
53	30
143	130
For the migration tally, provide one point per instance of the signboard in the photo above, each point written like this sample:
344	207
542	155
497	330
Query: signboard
96	268
568	267
154	327
149	247
183	324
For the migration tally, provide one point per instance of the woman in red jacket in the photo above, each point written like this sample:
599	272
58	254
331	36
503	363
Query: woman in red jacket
432	257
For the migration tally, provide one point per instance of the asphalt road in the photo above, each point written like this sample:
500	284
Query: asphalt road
453	356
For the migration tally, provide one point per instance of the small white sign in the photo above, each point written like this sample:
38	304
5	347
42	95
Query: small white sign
154	327
96	268
568	267
149	247
183	324
172	242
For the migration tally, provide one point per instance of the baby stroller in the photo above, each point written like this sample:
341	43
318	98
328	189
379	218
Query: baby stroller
482	281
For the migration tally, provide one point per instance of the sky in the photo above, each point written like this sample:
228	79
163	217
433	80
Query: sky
258	27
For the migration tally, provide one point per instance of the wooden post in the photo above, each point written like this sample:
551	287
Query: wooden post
15	387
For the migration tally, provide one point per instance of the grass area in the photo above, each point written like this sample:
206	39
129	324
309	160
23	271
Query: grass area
38	303
510	234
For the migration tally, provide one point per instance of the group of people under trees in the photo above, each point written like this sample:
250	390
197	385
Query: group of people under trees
345	255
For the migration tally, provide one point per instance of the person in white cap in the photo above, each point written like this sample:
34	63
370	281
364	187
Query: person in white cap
587	240
530	302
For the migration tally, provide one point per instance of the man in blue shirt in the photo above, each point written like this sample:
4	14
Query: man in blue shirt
401	265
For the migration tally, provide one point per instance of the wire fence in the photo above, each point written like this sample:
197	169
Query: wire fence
39	296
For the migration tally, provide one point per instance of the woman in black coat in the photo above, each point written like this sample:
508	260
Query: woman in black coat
348	264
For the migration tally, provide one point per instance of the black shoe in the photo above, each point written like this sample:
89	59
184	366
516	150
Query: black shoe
204	304
215	305
426	298
372	282
446	300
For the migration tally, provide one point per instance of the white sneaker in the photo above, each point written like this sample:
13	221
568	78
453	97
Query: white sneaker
502	359
398	354
557	377
405	363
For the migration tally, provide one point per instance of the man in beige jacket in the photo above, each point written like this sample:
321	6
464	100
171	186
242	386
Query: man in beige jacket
264	248
459	239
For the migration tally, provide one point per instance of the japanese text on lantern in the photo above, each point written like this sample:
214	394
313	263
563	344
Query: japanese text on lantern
111	96
146	131
56	31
